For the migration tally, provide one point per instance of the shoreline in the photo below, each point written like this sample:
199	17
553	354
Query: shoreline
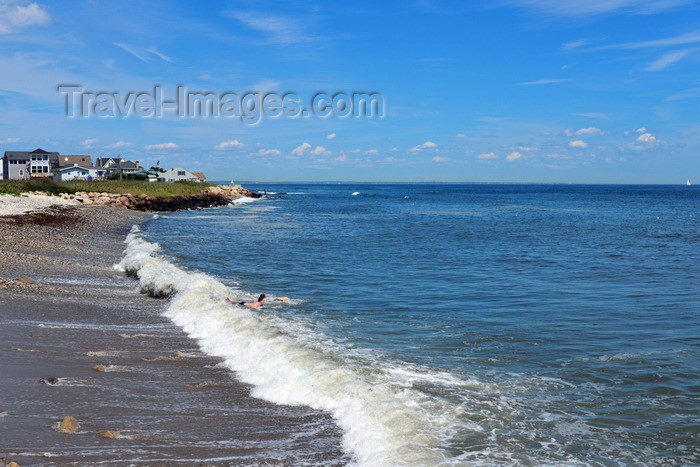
80	340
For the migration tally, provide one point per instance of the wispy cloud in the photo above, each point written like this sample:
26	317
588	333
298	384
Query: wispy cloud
542	81
682	39
574	8
487	156
17	17
669	59
269	152
119	144
143	54
162	146
9	140
277	29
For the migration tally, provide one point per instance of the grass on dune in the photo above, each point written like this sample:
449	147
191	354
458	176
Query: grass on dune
134	187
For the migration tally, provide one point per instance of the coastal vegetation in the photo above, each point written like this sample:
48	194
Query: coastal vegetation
133	187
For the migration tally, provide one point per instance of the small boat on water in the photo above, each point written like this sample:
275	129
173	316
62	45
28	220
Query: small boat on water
687	183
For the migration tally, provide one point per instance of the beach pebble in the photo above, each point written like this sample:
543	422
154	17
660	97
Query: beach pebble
24	280
51	380
107	434
69	425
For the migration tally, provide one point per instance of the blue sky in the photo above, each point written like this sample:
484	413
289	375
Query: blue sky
596	91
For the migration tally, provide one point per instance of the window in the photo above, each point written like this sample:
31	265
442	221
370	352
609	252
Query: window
181	173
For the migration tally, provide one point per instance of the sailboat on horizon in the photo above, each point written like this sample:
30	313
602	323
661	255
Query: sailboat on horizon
687	183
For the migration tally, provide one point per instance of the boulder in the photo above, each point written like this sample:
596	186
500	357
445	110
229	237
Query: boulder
69	425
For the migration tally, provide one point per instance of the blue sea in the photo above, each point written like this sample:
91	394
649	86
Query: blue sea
453	324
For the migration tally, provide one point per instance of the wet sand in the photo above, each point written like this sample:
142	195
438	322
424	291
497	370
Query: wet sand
78	339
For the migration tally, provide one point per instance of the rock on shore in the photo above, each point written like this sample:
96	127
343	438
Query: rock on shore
213	196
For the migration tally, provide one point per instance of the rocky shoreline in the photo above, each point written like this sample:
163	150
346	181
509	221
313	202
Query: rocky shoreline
220	195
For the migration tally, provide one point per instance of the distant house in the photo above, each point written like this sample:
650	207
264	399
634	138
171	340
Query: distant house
22	165
117	165
200	176
77	172
177	174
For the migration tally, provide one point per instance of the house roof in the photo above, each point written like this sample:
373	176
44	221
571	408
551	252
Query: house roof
74	166
199	175
103	161
75	159
25	155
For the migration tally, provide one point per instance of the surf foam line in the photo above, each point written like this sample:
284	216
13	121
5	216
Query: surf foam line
385	422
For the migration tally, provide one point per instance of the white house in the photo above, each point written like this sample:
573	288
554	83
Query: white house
77	172
178	174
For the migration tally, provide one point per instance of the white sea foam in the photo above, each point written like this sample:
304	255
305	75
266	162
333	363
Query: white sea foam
386	422
243	200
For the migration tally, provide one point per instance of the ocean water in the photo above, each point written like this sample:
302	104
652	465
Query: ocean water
455	324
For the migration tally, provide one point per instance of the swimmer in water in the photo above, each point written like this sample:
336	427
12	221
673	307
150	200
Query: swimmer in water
260	302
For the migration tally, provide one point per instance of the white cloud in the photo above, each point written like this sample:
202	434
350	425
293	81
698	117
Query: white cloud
88	142
514	156
460	135
269	152
300	150
9	140
578	144
487	156
441	159
643	142
119	144
331	136
420	147
235	144
590	131
320	151
647	138
372	151
16	17
341	158
162	146
669	59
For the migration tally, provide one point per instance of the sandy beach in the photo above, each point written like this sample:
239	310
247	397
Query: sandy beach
79	340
